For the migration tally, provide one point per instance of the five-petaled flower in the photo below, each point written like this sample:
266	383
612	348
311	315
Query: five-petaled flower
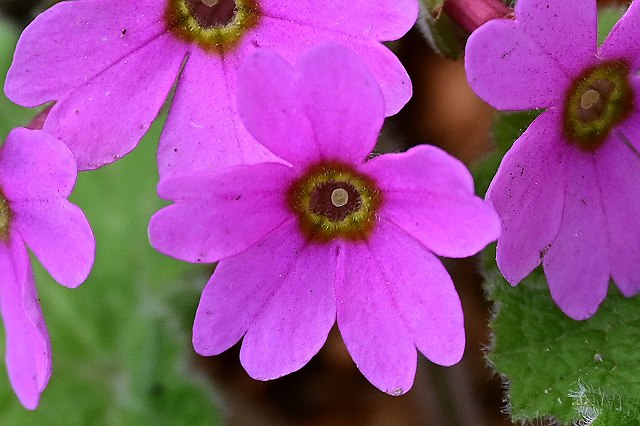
329	234
37	174
109	65
567	191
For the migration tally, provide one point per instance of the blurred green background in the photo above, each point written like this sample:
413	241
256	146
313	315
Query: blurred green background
121	342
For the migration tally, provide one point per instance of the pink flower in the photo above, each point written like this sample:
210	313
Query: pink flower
109	65
37	174
567	192
329	235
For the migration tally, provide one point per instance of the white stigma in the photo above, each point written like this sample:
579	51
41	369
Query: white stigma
589	99
339	197
210	3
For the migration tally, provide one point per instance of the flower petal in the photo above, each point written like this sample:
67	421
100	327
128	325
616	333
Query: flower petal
343	102
514	74
449	225
622	40
241	286
105	118
423	292
528	193
375	334
618	169
295	322
204	129
60	236
575	20
429	194
235	209
75	41
424	168
531	67
35	165
228	182
333	111
383	20
577	263
28	349
291	39
271	109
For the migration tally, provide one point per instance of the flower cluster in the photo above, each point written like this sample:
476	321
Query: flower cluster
310	216
266	155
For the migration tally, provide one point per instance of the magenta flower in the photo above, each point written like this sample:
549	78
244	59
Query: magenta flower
567	192
37	174
109	65
331	234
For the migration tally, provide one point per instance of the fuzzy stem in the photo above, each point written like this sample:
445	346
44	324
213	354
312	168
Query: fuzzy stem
38	121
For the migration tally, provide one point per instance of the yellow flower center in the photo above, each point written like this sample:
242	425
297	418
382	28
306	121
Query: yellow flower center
5	218
214	25
332	200
597	101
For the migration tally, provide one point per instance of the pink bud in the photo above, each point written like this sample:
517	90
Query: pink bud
471	14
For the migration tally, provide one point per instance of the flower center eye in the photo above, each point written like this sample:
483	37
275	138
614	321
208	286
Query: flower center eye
332	200
597	101
215	25
212	13
5	218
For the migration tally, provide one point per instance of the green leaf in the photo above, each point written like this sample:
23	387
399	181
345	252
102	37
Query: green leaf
121	351
544	354
442	34
598	409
